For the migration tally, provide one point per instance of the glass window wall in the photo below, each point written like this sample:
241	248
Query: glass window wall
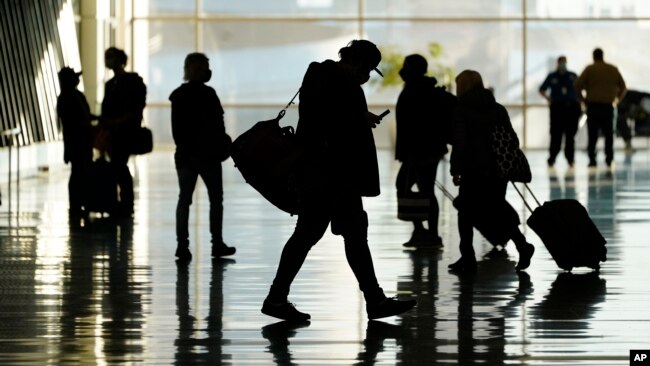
259	50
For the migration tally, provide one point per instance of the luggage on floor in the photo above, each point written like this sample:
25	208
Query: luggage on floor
102	188
568	233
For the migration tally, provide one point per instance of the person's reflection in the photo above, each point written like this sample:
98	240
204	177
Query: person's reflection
376	333
571	298
555	189
103	281
557	192
78	303
278	335
122	302
188	325
601	203
421	324
482	313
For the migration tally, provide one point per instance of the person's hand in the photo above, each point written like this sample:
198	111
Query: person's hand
456	180
372	119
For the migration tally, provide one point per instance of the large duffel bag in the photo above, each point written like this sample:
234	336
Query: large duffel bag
568	233
266	156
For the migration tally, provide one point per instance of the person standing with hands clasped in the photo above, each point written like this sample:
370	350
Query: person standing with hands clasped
197	129
564	108
603	84
340	167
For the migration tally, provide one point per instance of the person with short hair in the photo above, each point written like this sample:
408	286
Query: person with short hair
197	124
122	112
339	168
603	85
564	110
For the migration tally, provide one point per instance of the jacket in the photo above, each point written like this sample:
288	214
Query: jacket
475	116
197	122
340	155
423	119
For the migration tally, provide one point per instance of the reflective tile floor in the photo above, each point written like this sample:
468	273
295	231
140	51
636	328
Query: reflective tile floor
110	292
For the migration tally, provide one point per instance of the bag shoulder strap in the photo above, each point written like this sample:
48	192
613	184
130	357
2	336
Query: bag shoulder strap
284	110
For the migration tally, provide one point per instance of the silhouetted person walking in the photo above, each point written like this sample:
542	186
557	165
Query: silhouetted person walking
75	120
482	190
122	108
197	125
564	108
335	127
423	116
603	84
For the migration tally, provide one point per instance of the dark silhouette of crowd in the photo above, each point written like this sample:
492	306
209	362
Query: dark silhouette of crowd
338	164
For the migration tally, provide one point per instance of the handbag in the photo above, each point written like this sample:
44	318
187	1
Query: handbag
267	156
412	206
142	141
511	161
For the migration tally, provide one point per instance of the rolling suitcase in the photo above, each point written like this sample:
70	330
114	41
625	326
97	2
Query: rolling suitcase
568	233
102	188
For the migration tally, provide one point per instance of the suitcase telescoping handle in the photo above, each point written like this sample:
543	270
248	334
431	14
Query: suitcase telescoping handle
451	196
524	198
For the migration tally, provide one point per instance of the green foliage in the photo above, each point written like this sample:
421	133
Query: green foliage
393	58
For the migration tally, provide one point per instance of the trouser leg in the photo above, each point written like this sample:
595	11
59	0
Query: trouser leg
212	177
593	127
425	178
187	178
556	132
570	130
310	227
358	255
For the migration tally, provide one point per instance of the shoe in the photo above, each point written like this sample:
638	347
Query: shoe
496	253
283	310
222	250
183	254
463	266
550	162
592	164
388	307
571	163
525	254
423	240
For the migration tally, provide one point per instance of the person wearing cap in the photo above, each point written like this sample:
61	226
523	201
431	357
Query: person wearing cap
564	108
339	168
603	85
423	120
122	111
75	120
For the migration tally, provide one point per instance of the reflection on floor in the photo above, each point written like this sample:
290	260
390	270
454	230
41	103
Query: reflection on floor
110	292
